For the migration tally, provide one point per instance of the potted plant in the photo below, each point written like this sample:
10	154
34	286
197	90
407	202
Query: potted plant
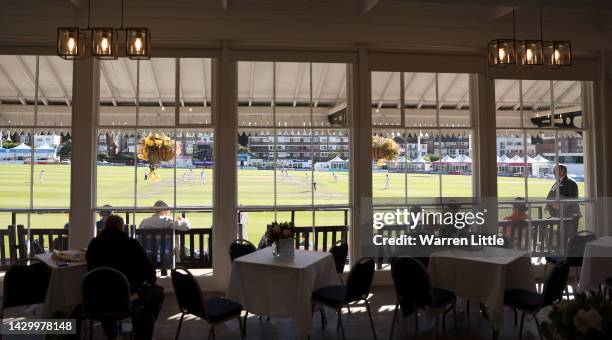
280	235
585	317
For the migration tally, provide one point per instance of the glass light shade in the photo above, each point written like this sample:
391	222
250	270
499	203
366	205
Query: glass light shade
104	43
138	43
558	53
70	43
502	52
531	52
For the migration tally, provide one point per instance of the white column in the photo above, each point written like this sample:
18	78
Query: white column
361	154
84	109
225	220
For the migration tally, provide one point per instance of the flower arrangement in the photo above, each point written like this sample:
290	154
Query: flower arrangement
280	231
156	148
585	317
384	148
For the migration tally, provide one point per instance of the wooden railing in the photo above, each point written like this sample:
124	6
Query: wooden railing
194	246
322	237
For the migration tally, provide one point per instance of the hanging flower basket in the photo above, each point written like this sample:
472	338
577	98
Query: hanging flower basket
155	149
165	153
384	148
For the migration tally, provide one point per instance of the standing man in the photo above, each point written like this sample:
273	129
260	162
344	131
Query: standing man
314	183
41	176
146	174
335	177
387	182
203	177
567	190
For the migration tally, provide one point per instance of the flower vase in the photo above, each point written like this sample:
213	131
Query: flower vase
283	249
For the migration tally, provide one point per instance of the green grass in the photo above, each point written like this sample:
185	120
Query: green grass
255	187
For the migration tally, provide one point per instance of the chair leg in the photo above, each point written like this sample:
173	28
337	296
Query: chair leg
339	311
323	318
348	307
178	330
515	317
537	322
90	329
239	319
245	321
394	320
371	320
522	321
444	316
416	319
467	307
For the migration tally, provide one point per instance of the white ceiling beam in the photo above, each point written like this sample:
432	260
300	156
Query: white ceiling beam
12	85
447	91
368	5
156	83
299	78
205	85
30	78
126	70
321	82
464	99
385	89
567	91
506	93
431	84
251	82
106	80
544	95
342	88
56	79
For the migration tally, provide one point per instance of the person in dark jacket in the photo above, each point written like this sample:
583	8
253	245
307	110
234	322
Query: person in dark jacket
567	190
114	248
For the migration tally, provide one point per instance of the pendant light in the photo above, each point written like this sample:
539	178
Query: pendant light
531	52
503	51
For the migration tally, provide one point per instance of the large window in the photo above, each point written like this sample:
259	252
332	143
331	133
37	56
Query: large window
166	98
540	127
426	119
35	153
293	146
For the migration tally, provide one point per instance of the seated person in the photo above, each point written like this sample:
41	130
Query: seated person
114	248
104	213
517	218
519	211
161	219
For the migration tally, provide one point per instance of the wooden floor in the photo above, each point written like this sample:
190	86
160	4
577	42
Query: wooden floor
356	325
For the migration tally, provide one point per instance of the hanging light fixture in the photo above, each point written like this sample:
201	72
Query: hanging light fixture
104	40
531	52
558	53
503	51
70	43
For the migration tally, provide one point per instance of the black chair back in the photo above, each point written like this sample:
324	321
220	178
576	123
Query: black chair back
36	248
340	253
240	247
106	295
25	283
577	244
188	292
359	280
60	243
412	282
555	284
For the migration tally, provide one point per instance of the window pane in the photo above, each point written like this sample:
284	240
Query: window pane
456	162
55	88
568	104
536	103
194	168
293	95
388	170
52	154
118	81
420	99
386	98
542	174
115	167
156	180
295	181
507	103
511	163
329	94
255	93
331	165
256	167
195	91
157	91
453	99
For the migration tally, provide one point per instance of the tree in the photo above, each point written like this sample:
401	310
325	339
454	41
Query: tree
242	149
243	139
8	144
65	150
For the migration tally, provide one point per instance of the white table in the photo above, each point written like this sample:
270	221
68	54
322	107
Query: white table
482	275
265	285
64	291
597	264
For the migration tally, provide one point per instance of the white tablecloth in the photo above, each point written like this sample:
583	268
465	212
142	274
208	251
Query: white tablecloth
64	291
597	264
483	275
265	285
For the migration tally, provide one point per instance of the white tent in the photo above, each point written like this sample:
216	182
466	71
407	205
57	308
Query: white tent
517	159
540	159
448	159
419	160
503	159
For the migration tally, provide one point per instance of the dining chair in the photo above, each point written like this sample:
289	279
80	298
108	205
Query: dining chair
25	283
414	291
528	302
106	297
608	287
191	301
240	247
575	251
357	288
36	248
340	253
60	243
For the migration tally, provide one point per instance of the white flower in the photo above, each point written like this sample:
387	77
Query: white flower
586	320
